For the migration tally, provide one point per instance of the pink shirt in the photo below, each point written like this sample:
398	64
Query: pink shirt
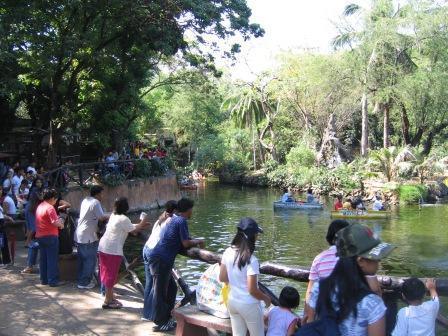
323	264
46	216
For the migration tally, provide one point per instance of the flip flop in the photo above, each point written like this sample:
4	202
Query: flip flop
111	305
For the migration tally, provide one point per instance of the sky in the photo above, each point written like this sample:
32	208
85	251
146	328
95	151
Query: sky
289	25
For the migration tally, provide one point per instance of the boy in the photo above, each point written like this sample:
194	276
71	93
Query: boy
281	320
419	317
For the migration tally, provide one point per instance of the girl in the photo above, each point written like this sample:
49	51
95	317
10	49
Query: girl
111	248
281	320
152	241
240	269
345	293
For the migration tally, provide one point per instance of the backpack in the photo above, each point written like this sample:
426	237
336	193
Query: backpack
327	325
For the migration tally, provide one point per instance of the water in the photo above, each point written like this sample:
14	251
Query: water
294	238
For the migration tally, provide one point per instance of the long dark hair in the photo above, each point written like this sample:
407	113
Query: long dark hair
170	207
245	244
34	199
347	284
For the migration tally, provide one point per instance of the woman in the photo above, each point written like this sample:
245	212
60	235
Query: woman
345	293
30	220
240	269
152	241
111	248
323	264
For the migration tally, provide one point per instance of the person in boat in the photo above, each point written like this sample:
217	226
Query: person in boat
310	197
378	204
358	204
347	205
287	197
345	293
338	204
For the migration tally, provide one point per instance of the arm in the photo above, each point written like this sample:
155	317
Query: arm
292	328
308	311
140	226
223	276
252	285
54	219
431	286
193	243
63	205
374	285
377	328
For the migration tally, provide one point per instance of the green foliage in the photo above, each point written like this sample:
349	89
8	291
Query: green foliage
112	180
142	168
410	193
299	157
210	154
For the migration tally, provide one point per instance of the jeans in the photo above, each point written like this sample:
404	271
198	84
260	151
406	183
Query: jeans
245	317
49	258
147	302
163	291
5	256
33	250
86	262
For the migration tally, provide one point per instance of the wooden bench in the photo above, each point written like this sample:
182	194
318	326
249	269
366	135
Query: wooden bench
193	322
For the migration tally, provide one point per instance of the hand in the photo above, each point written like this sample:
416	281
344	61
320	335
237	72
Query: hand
267	301
430	284
200	243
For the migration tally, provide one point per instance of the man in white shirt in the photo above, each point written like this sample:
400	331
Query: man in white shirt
86	236
378	204
16	181
9	207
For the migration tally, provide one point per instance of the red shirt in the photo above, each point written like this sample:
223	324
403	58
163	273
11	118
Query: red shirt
46	216
338	205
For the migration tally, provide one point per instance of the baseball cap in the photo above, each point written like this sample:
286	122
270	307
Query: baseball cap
249	225
359	240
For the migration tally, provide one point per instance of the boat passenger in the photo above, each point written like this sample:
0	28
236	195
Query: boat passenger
378	204
338	204
323	264
240	269
419	316
309	196
287	197
152	241
347	204
345	293
281	320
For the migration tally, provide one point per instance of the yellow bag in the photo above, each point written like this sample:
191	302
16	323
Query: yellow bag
225	293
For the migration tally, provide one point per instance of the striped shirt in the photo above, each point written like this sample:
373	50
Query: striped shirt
323	264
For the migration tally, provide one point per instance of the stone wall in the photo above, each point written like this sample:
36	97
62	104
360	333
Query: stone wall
147	193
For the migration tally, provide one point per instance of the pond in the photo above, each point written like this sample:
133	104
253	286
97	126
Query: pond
294	238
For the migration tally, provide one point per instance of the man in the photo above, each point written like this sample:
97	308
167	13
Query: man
174	238
16	181
47	234
86	238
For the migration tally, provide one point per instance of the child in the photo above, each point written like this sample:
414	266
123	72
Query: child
419	317
281	320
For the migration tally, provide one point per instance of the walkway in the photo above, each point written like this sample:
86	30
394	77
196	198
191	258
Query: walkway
29	308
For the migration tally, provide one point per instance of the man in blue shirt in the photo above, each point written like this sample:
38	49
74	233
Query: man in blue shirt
173	240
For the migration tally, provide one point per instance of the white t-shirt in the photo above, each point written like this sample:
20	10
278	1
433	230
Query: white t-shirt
238	277
370	309
279	321
9	206
1	213
377	205
286	197
117	230
7	183
89	214
155	233
16	181
417	320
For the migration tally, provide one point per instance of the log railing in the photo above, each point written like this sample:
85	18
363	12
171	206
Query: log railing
390	283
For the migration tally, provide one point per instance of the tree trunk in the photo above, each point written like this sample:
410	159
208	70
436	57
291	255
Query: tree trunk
404	124
254	150
364	126
386	124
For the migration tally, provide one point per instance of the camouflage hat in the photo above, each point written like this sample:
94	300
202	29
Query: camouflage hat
359	240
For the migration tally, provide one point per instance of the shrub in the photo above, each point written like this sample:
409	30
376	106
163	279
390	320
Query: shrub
300	156
112	180
410	193
142	168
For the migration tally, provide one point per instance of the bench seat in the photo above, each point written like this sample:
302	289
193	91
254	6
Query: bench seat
193	322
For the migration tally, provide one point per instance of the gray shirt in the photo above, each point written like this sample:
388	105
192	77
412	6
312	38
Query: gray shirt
90	213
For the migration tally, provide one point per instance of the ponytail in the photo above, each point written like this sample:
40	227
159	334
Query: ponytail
245	245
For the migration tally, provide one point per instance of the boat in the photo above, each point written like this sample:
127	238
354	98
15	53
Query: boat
360	214
188	186
298	205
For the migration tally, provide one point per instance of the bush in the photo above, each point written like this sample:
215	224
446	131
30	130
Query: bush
410	193
300	156
142	168
112	180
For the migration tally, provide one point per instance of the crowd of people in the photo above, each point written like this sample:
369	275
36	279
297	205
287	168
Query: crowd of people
343	291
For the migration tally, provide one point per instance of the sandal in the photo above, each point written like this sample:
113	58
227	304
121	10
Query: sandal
115	301
111	305
27	270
